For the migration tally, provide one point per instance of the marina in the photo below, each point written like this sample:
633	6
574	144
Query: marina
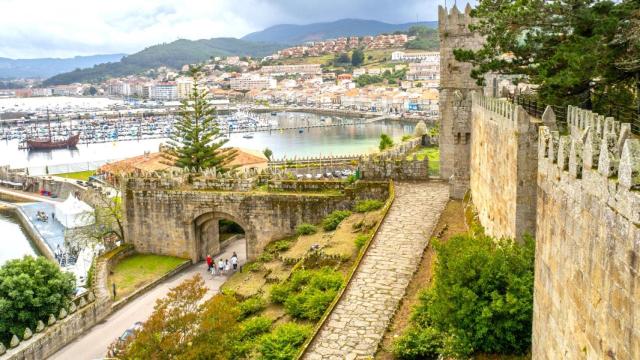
288	141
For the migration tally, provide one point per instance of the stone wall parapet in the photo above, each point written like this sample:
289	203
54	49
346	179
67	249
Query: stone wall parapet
597	145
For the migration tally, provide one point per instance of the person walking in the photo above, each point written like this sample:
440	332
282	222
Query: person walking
220	266
227	266
234	261
209	263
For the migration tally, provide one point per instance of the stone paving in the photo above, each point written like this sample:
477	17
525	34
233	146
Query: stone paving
358	322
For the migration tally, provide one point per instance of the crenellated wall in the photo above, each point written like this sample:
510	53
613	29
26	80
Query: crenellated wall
456	87
587	286
503	166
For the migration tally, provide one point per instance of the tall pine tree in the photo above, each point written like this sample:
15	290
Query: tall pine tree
196	141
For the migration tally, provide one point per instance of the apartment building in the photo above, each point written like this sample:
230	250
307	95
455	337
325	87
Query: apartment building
303	69
252	82
164	91
428	56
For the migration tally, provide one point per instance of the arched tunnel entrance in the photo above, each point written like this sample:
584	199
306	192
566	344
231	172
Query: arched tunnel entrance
214	231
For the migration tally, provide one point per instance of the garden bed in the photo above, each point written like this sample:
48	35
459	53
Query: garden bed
297	280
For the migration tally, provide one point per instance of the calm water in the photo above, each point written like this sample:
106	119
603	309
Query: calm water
350	139
14	242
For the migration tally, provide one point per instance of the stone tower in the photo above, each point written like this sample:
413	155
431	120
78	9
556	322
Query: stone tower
456	86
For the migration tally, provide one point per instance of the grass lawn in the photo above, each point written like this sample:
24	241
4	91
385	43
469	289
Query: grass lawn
433	153
138	270
78	175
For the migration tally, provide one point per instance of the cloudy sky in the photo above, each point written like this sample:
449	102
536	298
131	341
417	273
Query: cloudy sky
63	28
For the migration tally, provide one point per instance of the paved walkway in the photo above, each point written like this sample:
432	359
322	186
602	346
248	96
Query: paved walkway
94	343
359	320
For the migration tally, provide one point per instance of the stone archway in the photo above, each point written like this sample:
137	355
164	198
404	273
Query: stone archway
207	234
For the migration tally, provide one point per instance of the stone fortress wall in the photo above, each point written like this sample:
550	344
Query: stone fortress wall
503	167
456	86
587	284
169	217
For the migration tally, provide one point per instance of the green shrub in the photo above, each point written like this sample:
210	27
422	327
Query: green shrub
279	293
281	245
310	304
418	344
352	179
361	240
306	229
265	257
406	137
253	267
326	279
284	341
251	306
334	219
368	205
481	300
311	292
385	142
255	326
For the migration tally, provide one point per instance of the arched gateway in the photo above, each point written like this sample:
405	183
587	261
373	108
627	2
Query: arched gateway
207	232
170	218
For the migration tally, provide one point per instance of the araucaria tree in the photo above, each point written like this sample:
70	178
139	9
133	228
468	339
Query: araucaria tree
30	290
196	141
582	52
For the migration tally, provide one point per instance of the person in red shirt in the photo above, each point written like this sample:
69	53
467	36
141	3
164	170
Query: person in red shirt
209	263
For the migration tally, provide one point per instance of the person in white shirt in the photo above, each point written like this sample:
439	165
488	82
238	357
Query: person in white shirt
234	261
227	266
220	266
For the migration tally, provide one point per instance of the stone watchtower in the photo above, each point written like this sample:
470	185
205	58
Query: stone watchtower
456	86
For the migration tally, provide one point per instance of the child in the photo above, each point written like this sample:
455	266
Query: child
227	266
220	266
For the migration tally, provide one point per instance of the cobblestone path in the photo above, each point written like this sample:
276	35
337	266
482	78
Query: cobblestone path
358	322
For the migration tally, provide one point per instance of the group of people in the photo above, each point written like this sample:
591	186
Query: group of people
223	267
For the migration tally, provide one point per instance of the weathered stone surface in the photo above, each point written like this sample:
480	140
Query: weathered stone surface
587	273
52	320
62	314
40	326
14	341
27	334
456	86
183	222
3	349
357	323
504	164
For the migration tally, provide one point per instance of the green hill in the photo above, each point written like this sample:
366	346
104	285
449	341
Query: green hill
297	34
174	54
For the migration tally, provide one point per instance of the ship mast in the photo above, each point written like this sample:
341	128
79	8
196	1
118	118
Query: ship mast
49	124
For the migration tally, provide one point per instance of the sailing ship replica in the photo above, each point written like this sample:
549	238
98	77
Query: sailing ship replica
48	143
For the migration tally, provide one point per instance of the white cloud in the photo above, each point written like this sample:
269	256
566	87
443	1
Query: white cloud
62	28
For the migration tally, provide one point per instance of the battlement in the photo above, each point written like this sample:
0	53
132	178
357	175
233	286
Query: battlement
455	21
596	143
505	113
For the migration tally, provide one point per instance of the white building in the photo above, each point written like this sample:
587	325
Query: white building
427	56
164	91
252	82
303	69
424	71
184	87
